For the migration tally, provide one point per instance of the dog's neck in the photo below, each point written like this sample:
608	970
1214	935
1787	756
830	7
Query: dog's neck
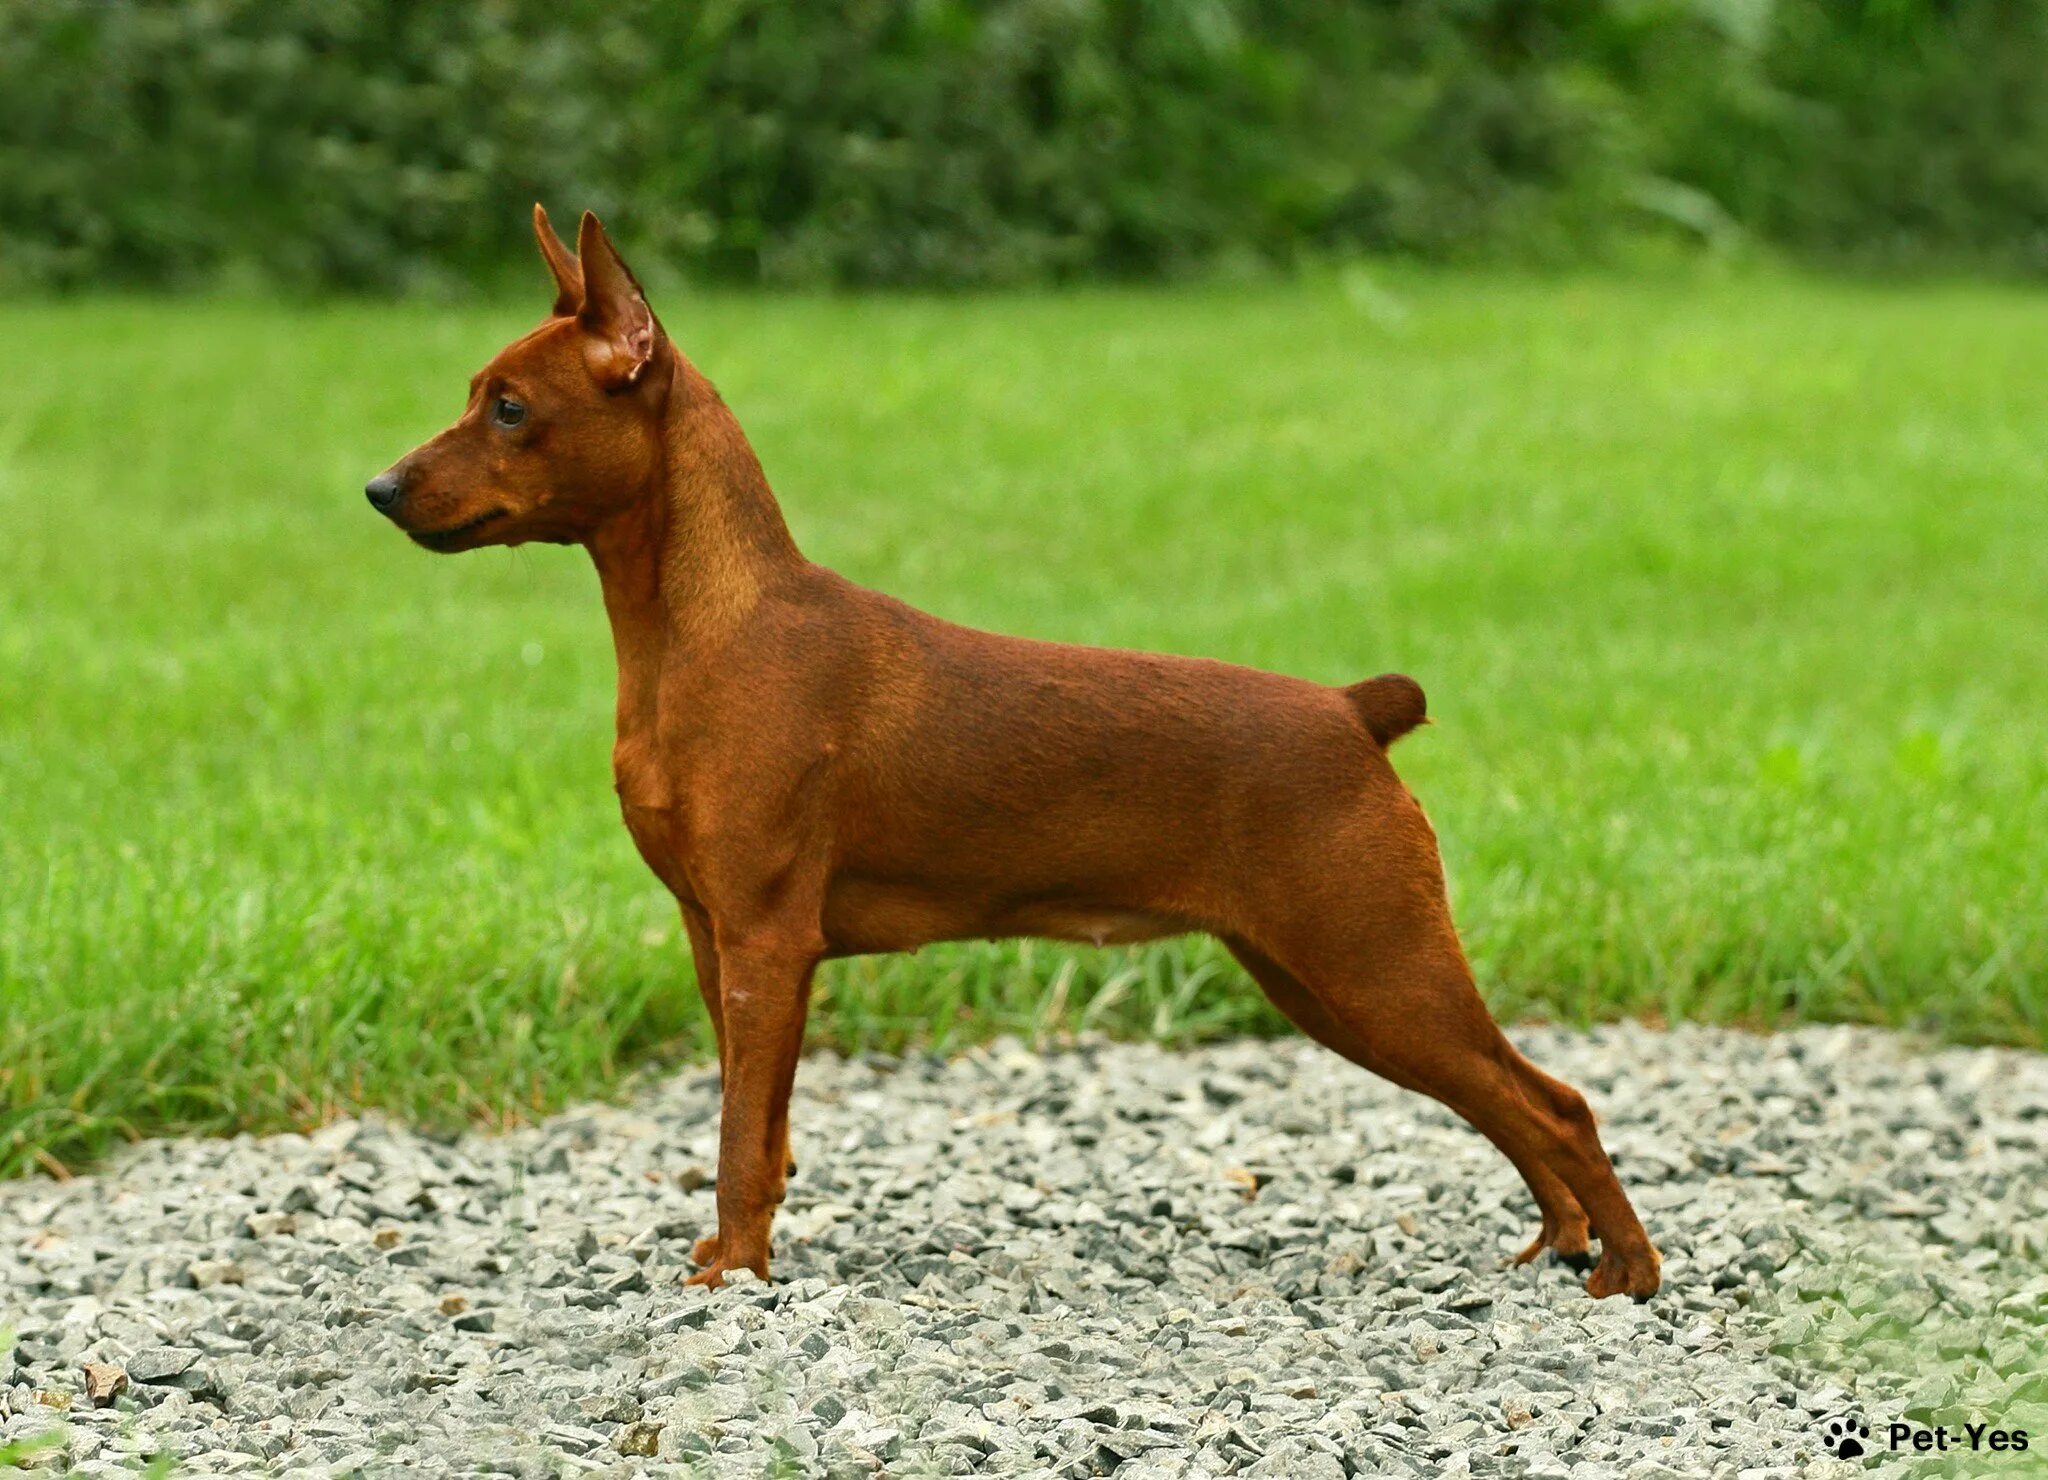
684	565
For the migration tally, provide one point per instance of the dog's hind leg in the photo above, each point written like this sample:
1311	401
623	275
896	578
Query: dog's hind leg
1394	994
1564	1230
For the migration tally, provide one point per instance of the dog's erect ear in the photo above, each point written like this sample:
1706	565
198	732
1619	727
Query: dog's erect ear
615	313
568	276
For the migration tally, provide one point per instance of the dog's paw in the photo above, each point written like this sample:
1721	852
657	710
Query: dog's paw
705	1251
713	1275
1571	1243
1636	1274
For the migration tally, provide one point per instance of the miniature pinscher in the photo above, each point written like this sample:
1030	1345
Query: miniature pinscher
817	770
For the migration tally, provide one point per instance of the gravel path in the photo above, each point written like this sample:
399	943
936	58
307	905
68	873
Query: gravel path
1250	1259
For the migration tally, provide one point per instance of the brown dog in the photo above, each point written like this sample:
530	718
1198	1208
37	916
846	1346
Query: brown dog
817	770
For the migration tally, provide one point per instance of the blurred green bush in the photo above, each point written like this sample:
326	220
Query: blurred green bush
378	144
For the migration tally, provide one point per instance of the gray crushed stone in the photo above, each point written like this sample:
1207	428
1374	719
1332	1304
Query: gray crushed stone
1112	1259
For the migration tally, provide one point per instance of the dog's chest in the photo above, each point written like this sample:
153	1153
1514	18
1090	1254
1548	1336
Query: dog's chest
650	803
660	834
638	774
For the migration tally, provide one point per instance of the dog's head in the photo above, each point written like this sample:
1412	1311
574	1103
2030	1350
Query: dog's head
562	429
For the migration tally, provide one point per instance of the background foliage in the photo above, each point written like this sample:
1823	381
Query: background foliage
381	144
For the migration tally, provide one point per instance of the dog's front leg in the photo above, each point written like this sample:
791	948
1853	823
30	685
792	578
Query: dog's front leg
704	955
764	984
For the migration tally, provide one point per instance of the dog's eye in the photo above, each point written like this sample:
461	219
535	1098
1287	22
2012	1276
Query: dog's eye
508	413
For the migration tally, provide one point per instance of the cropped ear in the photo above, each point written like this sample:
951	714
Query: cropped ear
615	313
568	276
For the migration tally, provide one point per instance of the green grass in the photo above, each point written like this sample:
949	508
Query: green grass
1731	598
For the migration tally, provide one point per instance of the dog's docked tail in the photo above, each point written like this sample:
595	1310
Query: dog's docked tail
1391	705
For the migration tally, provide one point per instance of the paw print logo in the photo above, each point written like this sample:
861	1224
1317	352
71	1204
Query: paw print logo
1845	1437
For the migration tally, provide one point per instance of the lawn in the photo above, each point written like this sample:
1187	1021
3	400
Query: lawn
1730	596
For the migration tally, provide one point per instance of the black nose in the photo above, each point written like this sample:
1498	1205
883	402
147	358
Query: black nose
383	491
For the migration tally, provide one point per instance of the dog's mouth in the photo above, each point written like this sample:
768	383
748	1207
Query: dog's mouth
448	539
